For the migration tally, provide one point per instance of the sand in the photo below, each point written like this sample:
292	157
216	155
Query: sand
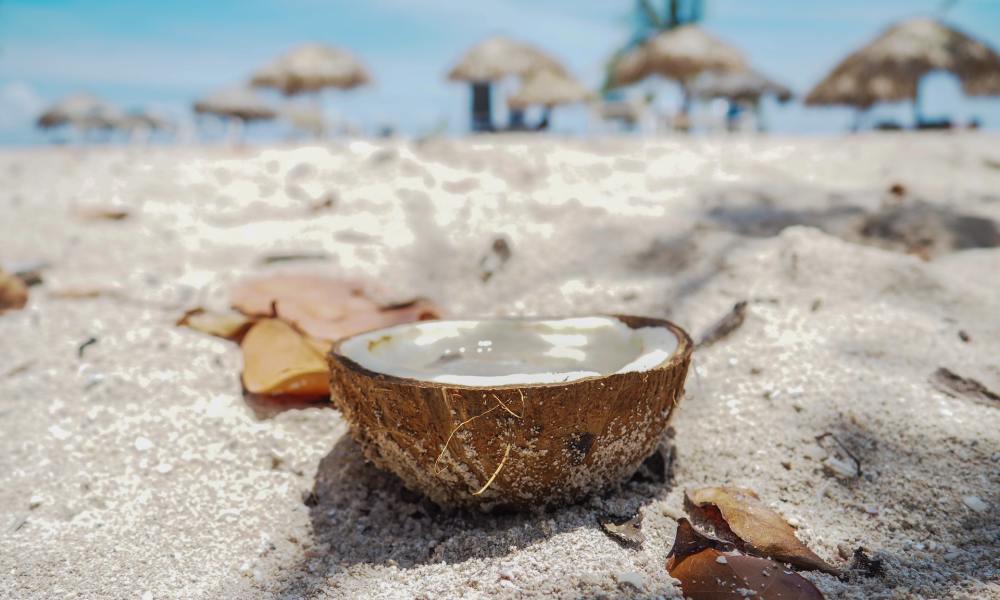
134	468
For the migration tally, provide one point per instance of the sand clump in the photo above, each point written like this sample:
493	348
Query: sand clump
838	337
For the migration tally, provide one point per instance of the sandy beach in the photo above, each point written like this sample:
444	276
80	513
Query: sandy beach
132	466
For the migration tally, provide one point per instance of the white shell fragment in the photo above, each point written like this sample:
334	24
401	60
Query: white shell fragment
500	352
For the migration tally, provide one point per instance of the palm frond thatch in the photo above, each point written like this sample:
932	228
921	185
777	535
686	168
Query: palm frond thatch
889	68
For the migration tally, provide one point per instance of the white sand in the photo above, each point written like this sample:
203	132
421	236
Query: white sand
138	471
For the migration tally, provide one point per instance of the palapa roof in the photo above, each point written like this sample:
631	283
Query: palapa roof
546	88
499	57
889	68
84	111
240	103
310	68
748	85
681	53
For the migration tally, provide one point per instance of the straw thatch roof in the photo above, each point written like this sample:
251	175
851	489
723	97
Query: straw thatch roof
749	85
546	88
681	53
83	111
499	57
889	68
238	103
311	68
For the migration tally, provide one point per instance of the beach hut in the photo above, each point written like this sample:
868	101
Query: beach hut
681	54
83	112
548	89
743	90
889	68
237	106
492	60
312	68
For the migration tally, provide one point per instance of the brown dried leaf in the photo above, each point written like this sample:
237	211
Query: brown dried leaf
726	325
277	360
629	531
708	569
102	213
321	307
229	326
13	292
740	517
712	575
957	386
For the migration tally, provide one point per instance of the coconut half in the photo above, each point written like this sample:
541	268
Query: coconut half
511	412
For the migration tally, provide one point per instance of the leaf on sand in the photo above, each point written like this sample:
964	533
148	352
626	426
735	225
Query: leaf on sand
321	307
629	531
707	571
957	386
229	326
726	325
277	360
741	518
13	292
102	213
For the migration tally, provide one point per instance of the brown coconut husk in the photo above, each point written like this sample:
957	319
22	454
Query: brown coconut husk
515	447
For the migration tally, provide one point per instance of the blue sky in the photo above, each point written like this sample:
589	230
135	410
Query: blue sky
165	54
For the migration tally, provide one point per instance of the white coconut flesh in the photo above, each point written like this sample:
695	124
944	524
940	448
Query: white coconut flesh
501	352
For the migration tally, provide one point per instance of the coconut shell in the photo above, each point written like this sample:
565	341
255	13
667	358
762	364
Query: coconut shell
561	443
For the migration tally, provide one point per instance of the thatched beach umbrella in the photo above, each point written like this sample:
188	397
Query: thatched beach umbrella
681	54
494	59
889	68
311	68
82	111
238	106
548	89
739	86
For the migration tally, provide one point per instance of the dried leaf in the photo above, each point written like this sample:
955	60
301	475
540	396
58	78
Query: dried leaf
321	307
102	213
712	575
13	292
957	386
740	517
277	360
708	569
629	531
726	325
229	326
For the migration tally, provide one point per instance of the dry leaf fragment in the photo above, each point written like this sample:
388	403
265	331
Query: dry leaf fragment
707	571
957	386
277	360
13	292
102	213
229	326
321	307
741	518
629	531
726	325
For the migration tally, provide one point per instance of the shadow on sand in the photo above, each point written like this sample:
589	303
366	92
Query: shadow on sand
362	515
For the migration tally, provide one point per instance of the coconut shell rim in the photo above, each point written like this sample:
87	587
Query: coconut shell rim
682	353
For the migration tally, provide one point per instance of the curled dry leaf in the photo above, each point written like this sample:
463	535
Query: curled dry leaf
708	571
13	292
277	360
741	518
102	213
726	325
957	386
321	307
229	326
629	532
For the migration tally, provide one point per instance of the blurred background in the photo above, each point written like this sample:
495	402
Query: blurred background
156	60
